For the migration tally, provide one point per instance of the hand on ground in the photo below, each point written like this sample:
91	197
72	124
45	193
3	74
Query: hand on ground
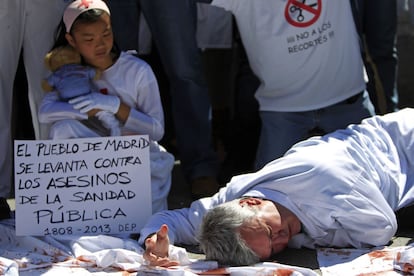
157	245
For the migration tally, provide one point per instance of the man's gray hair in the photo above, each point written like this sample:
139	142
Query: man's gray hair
220	234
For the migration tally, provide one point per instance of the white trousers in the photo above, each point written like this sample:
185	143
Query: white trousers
27	25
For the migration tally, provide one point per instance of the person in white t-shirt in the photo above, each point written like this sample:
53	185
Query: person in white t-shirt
308	59
127	88
342	190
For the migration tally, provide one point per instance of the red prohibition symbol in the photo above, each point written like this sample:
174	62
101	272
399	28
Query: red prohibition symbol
303	13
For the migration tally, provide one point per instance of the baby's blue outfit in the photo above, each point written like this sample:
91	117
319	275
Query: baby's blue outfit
72	80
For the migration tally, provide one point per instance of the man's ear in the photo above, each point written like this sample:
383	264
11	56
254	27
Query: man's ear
250	201
70	40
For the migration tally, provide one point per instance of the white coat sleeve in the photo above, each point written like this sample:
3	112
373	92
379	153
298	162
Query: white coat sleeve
185	223
180	228
343	205
147	116
367	221
52	109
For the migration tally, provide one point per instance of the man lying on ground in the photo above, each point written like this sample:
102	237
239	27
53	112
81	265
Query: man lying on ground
338	190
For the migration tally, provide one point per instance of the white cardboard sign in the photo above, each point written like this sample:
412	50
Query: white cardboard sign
86	186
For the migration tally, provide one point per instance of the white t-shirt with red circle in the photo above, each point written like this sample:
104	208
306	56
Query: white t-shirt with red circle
306	55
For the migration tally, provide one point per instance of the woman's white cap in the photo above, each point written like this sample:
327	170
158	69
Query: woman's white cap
78	7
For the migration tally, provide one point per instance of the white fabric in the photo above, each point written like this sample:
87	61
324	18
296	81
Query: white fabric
8	267
94	100
26	255
404	260
373	261
29	25
301	67
51	109
132	80
270	268
78	7
109	121
106	255
344	187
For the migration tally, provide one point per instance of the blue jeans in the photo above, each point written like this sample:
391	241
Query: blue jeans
376	22
173	27
281	130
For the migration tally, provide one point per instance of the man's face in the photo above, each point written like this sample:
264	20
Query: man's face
271	231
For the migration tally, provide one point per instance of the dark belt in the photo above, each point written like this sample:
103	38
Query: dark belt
352	99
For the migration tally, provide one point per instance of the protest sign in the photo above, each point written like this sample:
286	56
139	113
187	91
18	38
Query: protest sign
86	186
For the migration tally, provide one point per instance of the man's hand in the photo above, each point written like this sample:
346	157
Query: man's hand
156	251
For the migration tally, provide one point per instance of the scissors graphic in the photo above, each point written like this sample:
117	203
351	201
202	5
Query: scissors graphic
300	9
300	16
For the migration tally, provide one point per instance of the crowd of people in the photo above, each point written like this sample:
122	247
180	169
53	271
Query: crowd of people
305	70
